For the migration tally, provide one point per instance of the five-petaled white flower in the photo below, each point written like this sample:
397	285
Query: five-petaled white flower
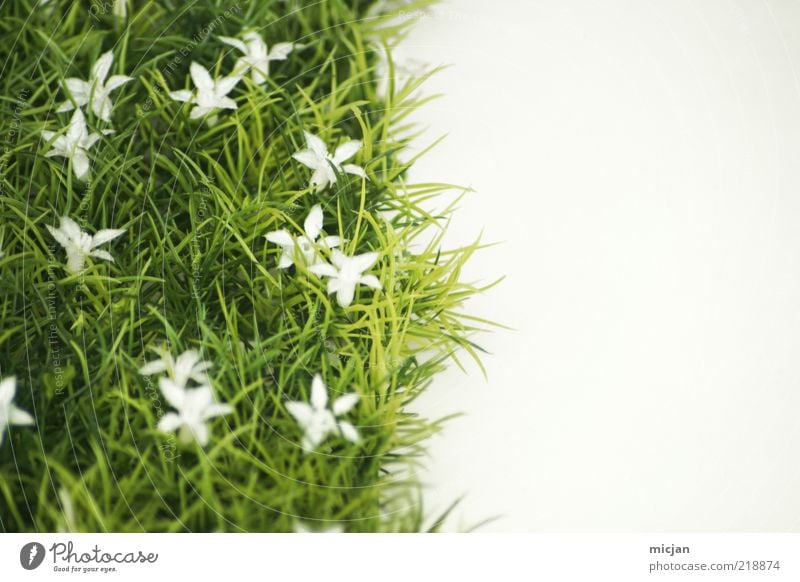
74	144
187	366
210	95
194	407
96	90
10	414
325	165
80	245
345	273
288	243
256	55
317	420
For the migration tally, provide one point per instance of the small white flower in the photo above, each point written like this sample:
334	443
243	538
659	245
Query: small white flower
187	366
194	407
257	57
345	273
404	69
120	9
80	245
210	95
317	421
74	144
325	165
288	243
96	90
10	414
302	527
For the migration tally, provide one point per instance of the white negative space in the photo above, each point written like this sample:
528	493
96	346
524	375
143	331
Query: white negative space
638	161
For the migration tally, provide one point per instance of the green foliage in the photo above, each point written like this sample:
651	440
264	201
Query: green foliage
194	271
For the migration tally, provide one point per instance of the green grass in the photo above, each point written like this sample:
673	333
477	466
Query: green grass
194	271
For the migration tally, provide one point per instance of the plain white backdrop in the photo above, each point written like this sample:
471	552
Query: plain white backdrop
639	161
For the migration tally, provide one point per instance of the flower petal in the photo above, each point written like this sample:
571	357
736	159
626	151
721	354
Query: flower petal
154	367
308	158
19	416
8	388
183	95
346	151
315	144
364	261
323	270
226	84
105	235
226	103
102	255
348	431
280	237
217	409
80	164
79	90
319	393
354	170
59	235
345	294
300	411
313	223
197	112
328	242
173	393
169	422
370	281
200	433
345	403
117	81
102	66
201	77
280	51
234	42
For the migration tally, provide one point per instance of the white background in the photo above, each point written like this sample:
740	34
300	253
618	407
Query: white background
639	161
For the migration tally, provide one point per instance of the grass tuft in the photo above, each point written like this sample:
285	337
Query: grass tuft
194	271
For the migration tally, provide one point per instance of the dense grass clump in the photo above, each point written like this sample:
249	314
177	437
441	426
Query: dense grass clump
193	271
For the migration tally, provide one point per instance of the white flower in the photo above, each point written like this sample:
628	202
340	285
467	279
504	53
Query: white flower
194	407
403	68
288	243
80	245
317	421
256	56
325	165
96	90
210	96
74	144
347	272
302	527
10	414
120	9
188	366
